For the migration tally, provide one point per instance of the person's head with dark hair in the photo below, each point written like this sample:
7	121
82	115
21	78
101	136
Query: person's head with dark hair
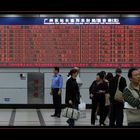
73	73
76	69
103	73
109	76
134	75
118	71
100	76
56	70
131	71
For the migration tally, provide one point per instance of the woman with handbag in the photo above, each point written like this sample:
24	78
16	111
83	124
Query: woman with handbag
72	94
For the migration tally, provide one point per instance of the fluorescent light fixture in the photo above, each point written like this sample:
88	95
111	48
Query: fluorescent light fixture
130	15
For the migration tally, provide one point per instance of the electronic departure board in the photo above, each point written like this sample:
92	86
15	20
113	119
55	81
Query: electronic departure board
68	42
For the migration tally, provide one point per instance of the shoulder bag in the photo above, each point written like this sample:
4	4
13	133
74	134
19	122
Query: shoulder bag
118	95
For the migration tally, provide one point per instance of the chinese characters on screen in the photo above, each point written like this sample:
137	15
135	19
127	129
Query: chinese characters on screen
70	45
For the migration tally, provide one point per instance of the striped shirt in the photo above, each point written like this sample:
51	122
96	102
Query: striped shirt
132	96
132	99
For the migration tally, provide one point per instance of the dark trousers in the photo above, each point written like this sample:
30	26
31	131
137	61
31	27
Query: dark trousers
107	111
98	99
116	114
134	124
57	102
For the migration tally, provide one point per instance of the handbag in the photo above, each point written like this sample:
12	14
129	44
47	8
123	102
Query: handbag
70	113
82	109
118	95
107	99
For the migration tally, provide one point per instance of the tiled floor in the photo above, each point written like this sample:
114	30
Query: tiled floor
26	117
41	117
5	115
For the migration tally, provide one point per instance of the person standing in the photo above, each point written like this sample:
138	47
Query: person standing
78	79
56	90
116	107
132	98
108	78
97	92
72	93
97	111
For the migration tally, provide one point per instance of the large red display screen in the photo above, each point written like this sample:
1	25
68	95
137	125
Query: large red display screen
63	45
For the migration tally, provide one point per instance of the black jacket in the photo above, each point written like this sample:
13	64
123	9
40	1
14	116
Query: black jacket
94	88
113	86
72	92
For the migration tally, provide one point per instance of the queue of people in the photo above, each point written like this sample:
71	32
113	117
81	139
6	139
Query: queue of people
102	93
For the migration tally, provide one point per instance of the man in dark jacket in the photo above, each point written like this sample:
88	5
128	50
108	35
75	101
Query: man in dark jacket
116	107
